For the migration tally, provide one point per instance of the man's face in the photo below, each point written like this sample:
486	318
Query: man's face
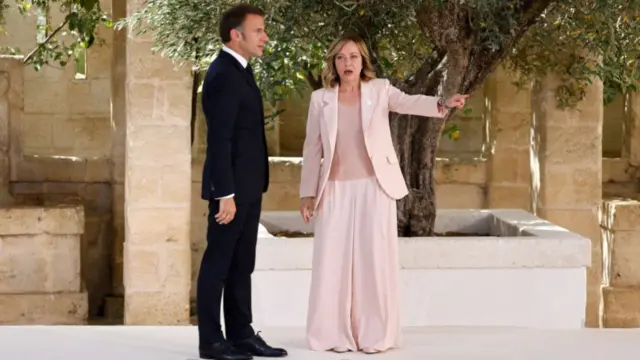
253	36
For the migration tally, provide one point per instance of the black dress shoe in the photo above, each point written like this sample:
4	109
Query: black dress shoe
256	346
222	351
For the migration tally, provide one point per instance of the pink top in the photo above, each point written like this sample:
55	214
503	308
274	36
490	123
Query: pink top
350	158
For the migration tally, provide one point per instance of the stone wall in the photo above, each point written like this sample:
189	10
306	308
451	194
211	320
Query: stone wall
39	180
60	141
65	114
613	129
40	254
11	106
569	171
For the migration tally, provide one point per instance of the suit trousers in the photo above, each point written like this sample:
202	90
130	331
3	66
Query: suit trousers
227	264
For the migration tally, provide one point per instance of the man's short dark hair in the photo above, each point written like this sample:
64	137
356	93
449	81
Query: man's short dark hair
234	17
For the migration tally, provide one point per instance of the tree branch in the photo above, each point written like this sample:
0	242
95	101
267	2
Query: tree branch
42	44
314	81
418	83
486	61
441	22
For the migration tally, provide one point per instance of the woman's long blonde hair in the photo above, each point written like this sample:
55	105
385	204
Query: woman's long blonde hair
330	77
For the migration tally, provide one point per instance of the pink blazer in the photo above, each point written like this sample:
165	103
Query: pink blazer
378	98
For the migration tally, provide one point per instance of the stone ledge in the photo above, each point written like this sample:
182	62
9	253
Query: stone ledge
31	220
621	307
45	309
621	214
515	239
448	171
623	260
31	168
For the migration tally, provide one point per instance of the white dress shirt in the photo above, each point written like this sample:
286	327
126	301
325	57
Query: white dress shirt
238	57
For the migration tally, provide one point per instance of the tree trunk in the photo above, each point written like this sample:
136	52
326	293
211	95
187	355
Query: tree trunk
417	141
462	70
195	84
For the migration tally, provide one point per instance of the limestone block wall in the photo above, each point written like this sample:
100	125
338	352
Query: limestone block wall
97	234
35	180
11	105
569	171
613	128
59	141
621	174
40	254
621	293
619	178
156	254
509	119
64	114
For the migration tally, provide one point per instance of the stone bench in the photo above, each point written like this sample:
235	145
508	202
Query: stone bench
620	222
524	272
40	265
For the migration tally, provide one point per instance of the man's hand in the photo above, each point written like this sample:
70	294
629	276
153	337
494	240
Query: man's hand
306	208
227	211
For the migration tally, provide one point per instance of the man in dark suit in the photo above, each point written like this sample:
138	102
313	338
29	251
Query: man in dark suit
235	175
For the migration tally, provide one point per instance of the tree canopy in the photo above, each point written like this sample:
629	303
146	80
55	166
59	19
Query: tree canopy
399	34
396	30
433	47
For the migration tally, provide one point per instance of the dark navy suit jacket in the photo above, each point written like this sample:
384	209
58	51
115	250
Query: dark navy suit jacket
236	160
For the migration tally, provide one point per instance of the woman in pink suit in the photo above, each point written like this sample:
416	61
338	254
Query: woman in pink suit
351	178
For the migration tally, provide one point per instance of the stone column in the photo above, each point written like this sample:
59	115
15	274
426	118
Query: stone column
570	171
114	304
157	254
508	111
11	110
631	148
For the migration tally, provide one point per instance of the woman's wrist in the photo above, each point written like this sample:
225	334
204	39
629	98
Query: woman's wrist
443	103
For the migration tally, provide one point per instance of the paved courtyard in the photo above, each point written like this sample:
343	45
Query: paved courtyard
179	343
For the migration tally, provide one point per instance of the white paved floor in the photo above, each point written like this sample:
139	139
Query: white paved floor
179	343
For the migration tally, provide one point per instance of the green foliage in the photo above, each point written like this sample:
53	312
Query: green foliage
575	38
183	30
300	31
579	39
65	28
3	7
186	30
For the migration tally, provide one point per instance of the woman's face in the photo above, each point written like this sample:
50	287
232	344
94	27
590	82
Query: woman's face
349	62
